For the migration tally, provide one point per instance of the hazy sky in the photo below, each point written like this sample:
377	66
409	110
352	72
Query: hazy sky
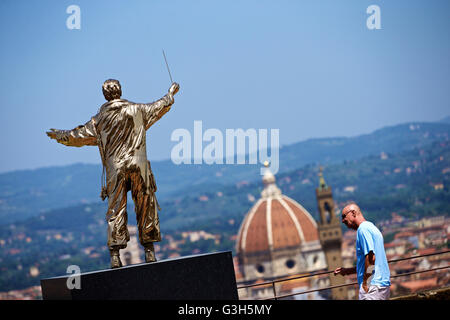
307	68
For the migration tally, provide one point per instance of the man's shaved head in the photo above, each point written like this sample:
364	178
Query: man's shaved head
351	207
352	216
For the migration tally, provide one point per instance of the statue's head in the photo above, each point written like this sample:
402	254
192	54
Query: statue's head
111	89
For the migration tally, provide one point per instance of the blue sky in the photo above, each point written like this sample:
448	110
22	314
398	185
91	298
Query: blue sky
308	68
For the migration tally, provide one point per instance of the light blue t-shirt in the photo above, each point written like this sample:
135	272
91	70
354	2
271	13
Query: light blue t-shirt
369	238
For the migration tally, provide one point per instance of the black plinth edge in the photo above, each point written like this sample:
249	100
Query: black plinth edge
198	277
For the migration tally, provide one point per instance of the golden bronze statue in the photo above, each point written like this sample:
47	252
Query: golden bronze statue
119	131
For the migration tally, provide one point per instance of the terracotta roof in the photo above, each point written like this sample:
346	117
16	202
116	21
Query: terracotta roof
404	265
417	285
404	234
426	251
284	233
397	243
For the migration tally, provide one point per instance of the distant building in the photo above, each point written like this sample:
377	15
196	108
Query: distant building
438	186
330	235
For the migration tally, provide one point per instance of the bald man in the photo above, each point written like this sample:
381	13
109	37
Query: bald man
369	252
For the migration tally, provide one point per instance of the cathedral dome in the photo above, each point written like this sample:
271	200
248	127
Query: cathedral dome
275	222
278	236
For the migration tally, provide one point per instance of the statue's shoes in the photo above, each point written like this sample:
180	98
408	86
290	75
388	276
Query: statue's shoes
150	256
115	262
150	253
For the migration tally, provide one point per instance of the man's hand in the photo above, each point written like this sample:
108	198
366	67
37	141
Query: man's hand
364	284
174	88
342	271
369	260
365	287
365	278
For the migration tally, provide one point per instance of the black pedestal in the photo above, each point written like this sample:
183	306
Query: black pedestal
200	277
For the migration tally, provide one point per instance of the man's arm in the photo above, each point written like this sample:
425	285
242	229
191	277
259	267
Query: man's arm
369	261
84	135
152	112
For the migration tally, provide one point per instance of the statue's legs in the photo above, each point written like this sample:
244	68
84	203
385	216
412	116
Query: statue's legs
117	218
146	216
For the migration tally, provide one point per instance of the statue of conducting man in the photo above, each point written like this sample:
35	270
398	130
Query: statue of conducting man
119	131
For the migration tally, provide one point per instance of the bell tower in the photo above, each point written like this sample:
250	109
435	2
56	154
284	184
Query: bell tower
330	235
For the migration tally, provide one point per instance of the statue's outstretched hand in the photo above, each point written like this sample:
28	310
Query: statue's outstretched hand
174	88
51	133
56	134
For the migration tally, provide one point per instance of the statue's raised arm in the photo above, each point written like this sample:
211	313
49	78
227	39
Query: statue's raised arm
152	112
